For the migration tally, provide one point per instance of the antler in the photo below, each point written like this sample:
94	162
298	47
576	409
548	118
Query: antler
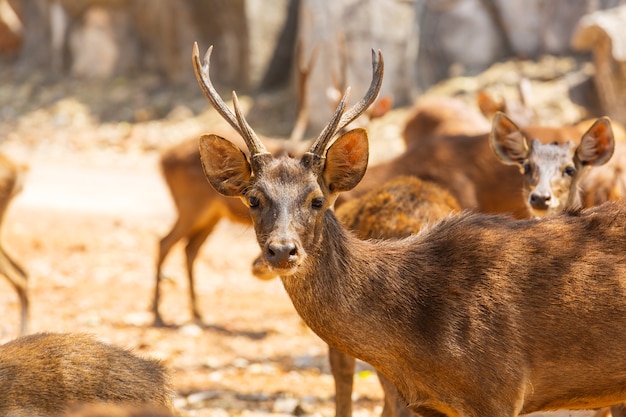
339	119
237	120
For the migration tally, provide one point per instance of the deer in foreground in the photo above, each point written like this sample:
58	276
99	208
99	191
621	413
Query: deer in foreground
46	374
551	176
480	315
11	183
199	208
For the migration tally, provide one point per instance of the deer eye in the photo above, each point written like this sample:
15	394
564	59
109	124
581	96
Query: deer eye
526	168
253	201
569	170
317	203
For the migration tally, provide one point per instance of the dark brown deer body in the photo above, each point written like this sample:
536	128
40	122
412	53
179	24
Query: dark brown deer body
395	209
480	315
48	373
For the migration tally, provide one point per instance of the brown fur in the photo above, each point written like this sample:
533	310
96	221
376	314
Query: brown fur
48	373
395	209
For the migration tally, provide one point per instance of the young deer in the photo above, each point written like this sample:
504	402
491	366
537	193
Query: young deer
480	315
463	163
48	373
11	182
551	173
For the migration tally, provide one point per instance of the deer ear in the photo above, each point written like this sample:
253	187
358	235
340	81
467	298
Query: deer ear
346	161
597	144
487	104
507	141
225	166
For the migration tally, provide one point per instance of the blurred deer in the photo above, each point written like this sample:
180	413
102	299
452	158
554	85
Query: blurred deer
599	185
463	318
12	176
46	374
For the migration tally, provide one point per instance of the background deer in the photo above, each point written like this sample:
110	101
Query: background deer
551	172
12	176
48	373
438	311
463	163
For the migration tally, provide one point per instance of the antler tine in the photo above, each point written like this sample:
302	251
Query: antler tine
204	79
341	119
253	142
329	131
378	69
238	122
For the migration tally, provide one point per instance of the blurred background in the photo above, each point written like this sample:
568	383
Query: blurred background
93	91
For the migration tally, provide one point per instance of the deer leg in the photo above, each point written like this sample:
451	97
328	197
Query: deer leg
342	367
394	405
181	228
191	252
19	280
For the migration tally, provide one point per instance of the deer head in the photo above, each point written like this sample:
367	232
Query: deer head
551	172
287	198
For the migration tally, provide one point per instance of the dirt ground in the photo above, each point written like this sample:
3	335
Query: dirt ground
86	227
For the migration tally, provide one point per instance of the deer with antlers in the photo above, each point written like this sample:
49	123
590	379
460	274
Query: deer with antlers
480	315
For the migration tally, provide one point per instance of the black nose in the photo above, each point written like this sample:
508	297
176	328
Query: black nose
539	201
281	254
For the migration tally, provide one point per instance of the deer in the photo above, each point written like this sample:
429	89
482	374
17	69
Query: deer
463	163
50	373
199	208
551	173
12	178
465	318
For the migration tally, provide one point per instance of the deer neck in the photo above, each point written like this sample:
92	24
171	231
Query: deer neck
343	277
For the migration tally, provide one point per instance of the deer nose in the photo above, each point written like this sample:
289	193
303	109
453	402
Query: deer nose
282	254
540	201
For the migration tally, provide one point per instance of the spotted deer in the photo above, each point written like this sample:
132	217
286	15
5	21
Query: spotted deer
45	374
480	315
12	177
